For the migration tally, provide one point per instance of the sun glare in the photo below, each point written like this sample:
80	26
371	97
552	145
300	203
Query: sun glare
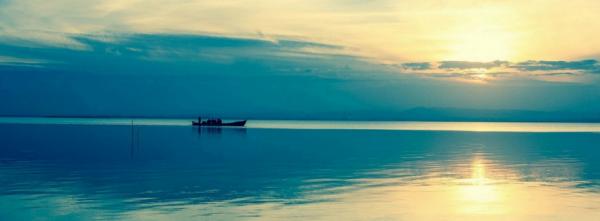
485	36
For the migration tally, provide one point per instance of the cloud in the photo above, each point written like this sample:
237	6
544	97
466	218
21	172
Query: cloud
585	65
566	71
556	74
202	55
16	61
471	64
417	66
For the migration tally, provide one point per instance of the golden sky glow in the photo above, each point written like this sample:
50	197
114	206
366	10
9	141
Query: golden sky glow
389	31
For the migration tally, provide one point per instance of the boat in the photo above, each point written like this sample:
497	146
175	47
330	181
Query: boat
218	123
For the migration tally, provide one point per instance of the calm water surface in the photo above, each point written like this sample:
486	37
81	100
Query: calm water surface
92	169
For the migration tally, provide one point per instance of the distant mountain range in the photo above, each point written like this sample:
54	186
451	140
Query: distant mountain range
459	114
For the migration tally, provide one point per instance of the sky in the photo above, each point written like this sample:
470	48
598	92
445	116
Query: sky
292	58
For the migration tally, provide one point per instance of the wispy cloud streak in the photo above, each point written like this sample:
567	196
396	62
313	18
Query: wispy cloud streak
568	71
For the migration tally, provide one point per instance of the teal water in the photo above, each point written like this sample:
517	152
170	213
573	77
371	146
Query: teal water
105	169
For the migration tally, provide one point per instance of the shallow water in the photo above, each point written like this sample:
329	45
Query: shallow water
171	171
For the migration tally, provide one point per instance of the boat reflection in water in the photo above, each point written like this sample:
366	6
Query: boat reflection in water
209	131
86	172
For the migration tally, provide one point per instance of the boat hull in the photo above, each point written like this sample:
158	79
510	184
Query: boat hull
230	124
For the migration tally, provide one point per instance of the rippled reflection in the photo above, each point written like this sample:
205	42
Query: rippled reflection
83	172
479	190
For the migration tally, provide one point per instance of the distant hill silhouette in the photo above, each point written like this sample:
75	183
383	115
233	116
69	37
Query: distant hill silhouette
460	114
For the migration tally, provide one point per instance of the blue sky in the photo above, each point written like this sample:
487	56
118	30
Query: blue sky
228	59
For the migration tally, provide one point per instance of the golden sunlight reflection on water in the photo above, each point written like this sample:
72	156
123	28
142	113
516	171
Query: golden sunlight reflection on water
477	190
478	194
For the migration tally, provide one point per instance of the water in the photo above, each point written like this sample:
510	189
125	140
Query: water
99	169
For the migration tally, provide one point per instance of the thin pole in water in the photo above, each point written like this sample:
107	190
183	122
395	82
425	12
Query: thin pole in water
132	137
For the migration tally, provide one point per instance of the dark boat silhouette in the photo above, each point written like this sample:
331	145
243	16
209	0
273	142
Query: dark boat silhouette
218	123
